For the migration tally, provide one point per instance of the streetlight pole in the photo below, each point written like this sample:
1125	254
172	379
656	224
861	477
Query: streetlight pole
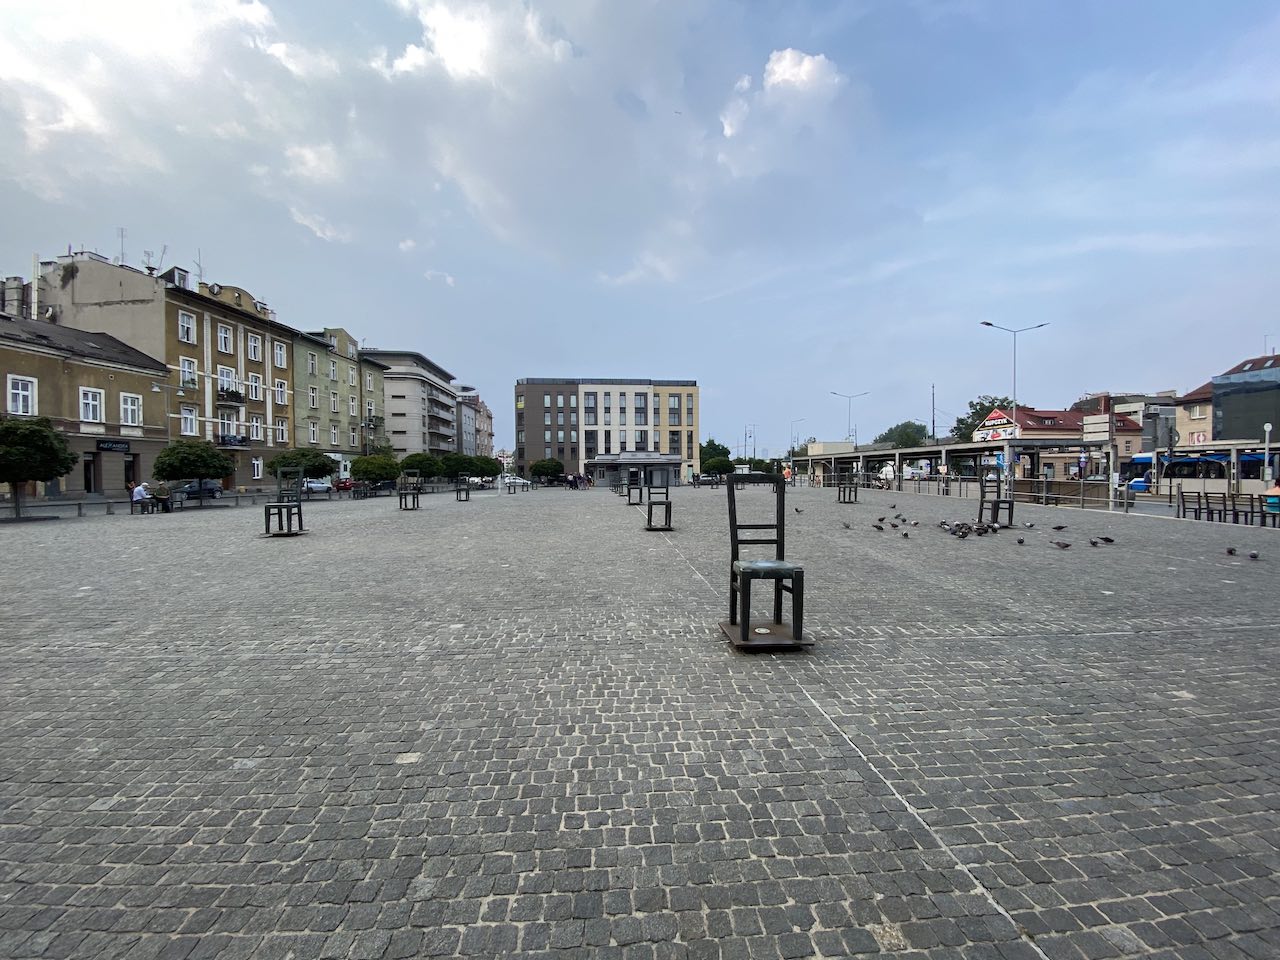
795	437
1013	434
168	422
849	433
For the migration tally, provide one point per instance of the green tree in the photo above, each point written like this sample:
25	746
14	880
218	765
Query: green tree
424	463
978	411
31	449
456	465
192	459
712	451
381	447
375	469
546	469
717	465
312	463
908	433
487	466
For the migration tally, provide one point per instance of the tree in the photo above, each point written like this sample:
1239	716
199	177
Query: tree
457	465
192	459
375	469
712	451
978	411
312	463
717	465
381	447
424	463
908	433
31	449
487	466
547	469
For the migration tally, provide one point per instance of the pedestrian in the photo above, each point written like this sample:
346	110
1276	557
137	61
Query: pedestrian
142	497
163	497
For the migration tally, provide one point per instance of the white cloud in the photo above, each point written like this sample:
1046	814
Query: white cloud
793	70
319	226
448	278
407	244
317	164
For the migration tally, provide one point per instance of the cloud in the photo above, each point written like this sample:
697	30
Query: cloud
318	163
792	70
440	275
407	244
319	226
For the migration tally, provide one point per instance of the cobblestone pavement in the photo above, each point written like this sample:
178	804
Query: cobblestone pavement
510	727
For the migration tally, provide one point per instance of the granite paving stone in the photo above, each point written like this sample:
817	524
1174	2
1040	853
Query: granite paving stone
511	727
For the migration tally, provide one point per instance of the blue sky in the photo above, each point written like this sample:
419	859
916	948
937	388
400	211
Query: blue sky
779	200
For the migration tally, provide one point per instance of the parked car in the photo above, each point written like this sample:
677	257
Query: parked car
345	483
194	490
312	485
506	478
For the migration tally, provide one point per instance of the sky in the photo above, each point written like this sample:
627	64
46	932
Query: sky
781	200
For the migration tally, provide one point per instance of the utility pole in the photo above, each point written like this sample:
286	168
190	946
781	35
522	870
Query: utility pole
933	413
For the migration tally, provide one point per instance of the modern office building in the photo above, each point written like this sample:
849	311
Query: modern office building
592	426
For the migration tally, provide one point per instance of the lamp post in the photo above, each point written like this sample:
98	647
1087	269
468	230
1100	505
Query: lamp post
849	432
168	423
795	437
1266	452
1013	434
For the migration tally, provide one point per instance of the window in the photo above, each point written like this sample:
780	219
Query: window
353	406
546	436
589	417
255	347
642	439
519	436
23	396
368	381
311	364
355	438
281	355
642	401
673	410
351	377
130	410
546	419
226	378
333	401
520	401
255	386
589	401
188	420
608	418
560	418
688	445
1196	411
559	436
255	427
559	399
369	409
256	462
224	338
546	399
573	436
90	405
333	436
186	327
282	430
547	452
573	418
313	432
333	369
573	400
226	424
282	392
351	349
187	373
607	401
673	442
622	416
313	398
608	440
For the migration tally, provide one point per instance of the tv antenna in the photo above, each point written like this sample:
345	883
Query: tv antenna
199	267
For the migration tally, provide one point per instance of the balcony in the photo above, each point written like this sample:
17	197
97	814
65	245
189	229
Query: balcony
229	397
231	439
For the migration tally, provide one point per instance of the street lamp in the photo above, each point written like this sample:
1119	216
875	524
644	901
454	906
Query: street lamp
795	437
1266	452
164	388
1014	431
848	430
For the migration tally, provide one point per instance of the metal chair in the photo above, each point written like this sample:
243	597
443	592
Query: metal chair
787	577
994	505
659	501
1215	506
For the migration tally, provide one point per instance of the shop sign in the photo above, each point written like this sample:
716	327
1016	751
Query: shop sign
114	446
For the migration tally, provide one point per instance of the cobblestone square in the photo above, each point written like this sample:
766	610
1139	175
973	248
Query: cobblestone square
511	726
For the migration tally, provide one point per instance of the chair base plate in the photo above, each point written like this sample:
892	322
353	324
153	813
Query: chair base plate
764	635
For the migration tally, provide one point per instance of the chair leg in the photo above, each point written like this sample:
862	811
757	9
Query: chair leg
797	605
777	601
733	600
744	599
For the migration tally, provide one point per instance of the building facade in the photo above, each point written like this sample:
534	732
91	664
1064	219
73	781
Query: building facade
340	397
577	420
420	403
106	397
229	362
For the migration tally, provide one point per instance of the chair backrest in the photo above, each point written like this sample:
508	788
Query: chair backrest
758	534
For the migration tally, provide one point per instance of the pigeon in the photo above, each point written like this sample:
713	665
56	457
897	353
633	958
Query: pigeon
1020	540
1253	554
1092	542
1231	551
1059	544
893	506
1028	525
879	519
798	510
905	535
1106	540
876	526
846	524
894	525
915	523
1061	527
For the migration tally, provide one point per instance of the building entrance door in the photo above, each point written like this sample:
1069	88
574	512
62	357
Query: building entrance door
132	470
92	474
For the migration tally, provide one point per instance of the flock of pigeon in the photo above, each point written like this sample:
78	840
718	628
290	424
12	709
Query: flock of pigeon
980	528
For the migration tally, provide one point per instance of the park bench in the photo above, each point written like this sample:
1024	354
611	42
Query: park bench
660	502
787	577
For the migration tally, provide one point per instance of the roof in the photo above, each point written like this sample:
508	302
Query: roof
1268	361
1070	420
101	347
427	363
1202	392
608	381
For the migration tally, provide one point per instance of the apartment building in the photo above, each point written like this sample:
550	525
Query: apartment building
340	396
105	396
594	425
229	362
420	403
475	424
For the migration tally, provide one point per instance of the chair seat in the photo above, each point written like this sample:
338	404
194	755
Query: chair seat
767	568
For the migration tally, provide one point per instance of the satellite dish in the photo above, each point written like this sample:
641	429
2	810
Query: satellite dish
215	288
